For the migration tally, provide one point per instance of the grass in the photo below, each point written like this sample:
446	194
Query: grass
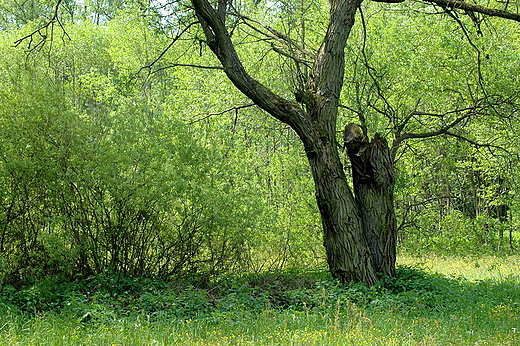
450	301
471	268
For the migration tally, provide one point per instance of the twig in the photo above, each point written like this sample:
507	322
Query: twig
275	35
175	39
234	108
42	30
187	65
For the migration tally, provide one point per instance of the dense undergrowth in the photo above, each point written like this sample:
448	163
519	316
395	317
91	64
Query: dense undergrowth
416	307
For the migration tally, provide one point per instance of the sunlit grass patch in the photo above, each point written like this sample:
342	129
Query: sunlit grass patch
471	268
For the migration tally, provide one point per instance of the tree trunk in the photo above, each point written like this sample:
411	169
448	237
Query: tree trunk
373	180
348	253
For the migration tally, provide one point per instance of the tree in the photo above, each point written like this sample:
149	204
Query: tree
359	226
356	250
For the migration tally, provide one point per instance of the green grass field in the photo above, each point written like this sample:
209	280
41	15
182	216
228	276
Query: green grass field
449	301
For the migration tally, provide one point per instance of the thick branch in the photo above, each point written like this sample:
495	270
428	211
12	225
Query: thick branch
219	41
459	4
328	70
326	78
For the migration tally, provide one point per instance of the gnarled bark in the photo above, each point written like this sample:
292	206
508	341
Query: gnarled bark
373	180
348	253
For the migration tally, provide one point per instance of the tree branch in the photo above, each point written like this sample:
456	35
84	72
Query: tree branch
290	56
443	131
330	59
202	67
459	4
234	108
175	39
275	35
42	30
219	41
477	144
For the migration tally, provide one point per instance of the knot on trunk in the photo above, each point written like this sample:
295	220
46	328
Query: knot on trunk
371	160
355	139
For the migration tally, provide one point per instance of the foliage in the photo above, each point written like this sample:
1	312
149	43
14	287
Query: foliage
269	308
101	172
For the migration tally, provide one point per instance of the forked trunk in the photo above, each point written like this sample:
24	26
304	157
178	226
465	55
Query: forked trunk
348	253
